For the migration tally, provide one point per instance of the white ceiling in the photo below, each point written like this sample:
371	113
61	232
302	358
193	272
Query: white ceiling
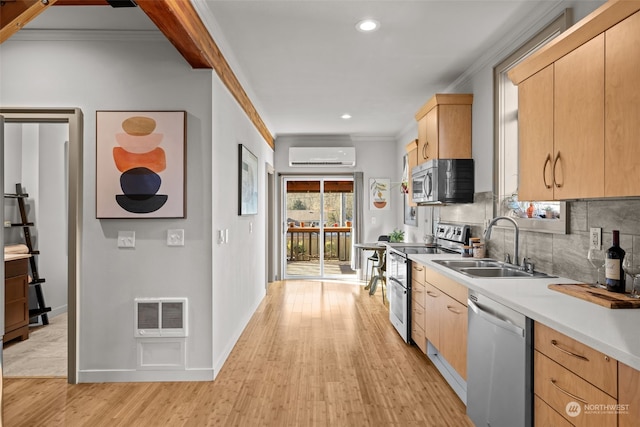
304	64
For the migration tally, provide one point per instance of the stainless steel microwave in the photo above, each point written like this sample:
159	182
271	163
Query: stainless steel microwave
443	181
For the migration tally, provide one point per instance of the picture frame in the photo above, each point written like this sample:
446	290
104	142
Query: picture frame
140	164
410	212
247	182
379	194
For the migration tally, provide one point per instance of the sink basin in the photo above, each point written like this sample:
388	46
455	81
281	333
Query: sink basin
457	264
488	268
495	272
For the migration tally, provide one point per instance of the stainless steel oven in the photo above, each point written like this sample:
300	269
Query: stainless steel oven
399	288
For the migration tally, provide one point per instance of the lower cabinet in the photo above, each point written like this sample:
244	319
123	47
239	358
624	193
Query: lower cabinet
628	396
445	319
16	300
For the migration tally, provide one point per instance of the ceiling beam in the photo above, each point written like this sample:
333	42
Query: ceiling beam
176	19
15	14
181	24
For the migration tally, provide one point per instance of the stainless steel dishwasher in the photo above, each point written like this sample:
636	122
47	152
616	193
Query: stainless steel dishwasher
499	365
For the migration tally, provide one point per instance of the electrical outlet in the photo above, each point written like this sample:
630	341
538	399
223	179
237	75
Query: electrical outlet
126	239
595	238
175	237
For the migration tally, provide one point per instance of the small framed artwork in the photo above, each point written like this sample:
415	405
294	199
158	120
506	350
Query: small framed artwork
247	182
140	164
410	212
379	193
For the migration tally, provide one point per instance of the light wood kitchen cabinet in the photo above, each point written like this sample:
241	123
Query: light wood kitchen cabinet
412	161
433	299
535	128
628	395
446	319
546	416
595	109
622	108
417	307
578	165
444	127
569	376
453	334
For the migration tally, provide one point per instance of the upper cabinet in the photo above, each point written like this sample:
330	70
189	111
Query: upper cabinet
444	127
579	101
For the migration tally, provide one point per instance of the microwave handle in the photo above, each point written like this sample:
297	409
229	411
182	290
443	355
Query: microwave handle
428	184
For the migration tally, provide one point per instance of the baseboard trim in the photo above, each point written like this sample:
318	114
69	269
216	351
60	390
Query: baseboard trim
132	376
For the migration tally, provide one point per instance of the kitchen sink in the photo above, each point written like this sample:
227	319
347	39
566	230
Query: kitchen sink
456	264
489	268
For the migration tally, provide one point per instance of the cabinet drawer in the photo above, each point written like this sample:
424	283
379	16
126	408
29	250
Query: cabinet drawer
417	272
16	267
417	335
432	314
561	389
449	286
545	416
595	367
418	293
417	313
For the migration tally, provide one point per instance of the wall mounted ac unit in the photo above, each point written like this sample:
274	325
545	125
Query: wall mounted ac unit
322	156
160	317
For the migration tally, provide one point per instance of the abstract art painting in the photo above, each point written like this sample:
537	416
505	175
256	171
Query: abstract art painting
379	193
140	164
247	182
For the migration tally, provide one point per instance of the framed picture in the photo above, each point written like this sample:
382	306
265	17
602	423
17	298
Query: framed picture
410	212
140	164
247	182
379	193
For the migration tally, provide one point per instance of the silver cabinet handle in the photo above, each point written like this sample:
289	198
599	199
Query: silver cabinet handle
555	181
453	309
579	356
573	396
544	170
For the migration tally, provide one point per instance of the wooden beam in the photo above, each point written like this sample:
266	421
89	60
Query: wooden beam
180	23
16	14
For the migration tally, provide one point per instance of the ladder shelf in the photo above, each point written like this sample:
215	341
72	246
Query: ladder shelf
36	280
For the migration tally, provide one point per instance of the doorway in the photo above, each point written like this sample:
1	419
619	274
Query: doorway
72	207
318	218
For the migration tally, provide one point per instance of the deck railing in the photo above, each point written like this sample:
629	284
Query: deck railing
303	243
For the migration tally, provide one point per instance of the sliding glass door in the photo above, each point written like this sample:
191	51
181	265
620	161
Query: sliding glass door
318	218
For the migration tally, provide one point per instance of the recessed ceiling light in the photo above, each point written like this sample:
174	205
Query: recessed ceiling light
367	25
345	116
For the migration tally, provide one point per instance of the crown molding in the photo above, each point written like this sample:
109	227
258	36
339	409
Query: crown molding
88	35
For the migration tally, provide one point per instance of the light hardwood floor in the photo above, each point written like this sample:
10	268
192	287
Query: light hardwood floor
315	353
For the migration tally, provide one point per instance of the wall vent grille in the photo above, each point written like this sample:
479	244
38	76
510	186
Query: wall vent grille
160	317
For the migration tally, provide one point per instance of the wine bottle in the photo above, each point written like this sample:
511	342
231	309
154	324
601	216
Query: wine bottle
613	265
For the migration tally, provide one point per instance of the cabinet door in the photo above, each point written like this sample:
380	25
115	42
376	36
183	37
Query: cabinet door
412	161
432	304
629	395
622	109
579	122
16	312
453	334
432	131
422	140
454	132
535	136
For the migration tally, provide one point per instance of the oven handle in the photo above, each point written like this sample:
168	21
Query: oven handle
399	283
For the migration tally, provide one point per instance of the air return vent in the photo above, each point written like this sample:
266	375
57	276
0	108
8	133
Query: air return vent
160	317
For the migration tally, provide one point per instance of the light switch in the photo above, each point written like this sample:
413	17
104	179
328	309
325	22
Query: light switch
126	239
175	237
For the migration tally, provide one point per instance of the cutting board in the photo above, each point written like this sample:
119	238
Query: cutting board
597	295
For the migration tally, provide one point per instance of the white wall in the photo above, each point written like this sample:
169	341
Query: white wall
103	73
239	275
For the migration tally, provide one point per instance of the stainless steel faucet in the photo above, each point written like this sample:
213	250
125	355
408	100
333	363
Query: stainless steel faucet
487	235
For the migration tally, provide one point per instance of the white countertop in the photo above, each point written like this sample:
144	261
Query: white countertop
11	257
615	332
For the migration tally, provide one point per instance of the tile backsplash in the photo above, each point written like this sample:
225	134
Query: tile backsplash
559	254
